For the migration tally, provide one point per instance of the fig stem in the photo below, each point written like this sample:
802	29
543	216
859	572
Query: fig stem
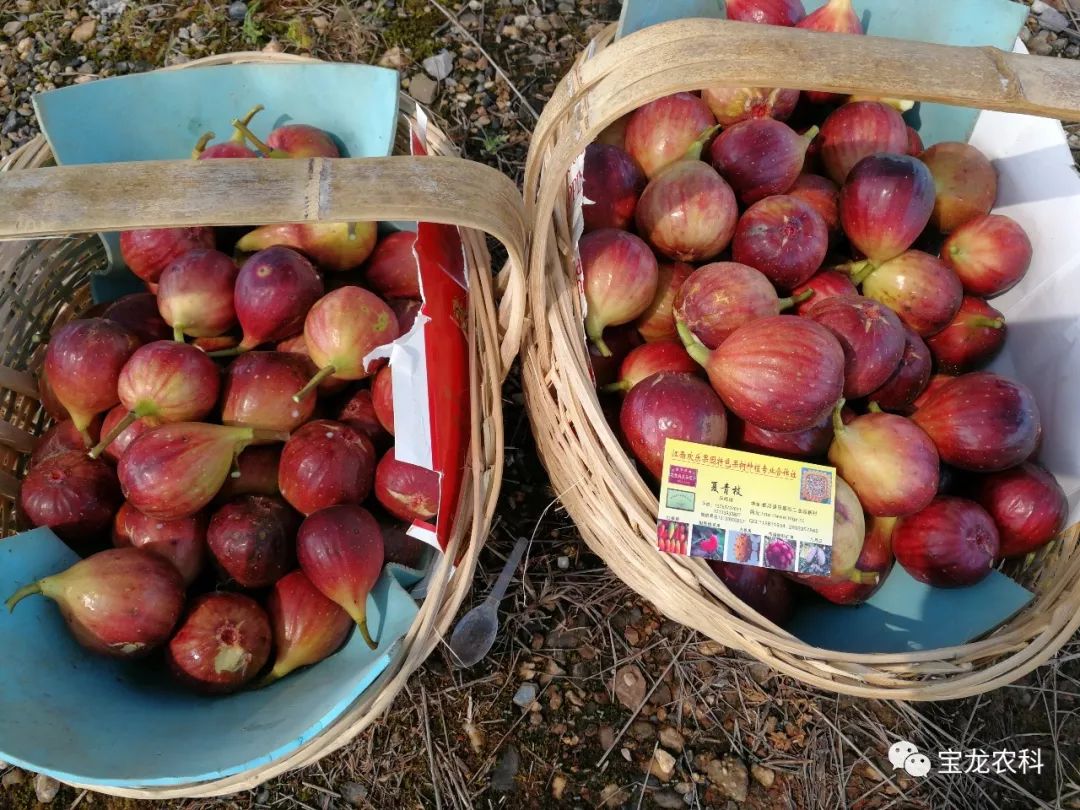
362	624
811	133
873	407
178	334
233	352
265	681
864	577
694	347
837	418
698	146
861	271
792	300
620	387
238	135
110	437
264	435
595	332
200	145
242	128
987	323
22	593
88	440
313	383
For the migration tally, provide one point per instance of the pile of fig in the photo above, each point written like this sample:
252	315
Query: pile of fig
222	456
795	274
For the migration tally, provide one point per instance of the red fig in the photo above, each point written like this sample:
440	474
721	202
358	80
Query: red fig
138	313
768	12
876	559
148	252
653	358
119	445
889	462
251	539
182	542
164	381
1028	507
359	412
307	626
661	131
719	298
122	602
782	373
326	463
849	535
821	194
872	338
73	495
981	422
334	246
989	254
382	399
341	551
971	340
670	406
195	294
808	444
688	211
821	286
920	289
175	470
258	391
83	364
838	17
935	384
885	204
274	290
857	130
406	491
53	407
731	105
915	143
620	278
341	329
619	340
784	238
760	157
63	437
222	643
910	379
657	322
406	310
613	183
951	543
966	184
256	473
767	592
292	141
393	271
399	547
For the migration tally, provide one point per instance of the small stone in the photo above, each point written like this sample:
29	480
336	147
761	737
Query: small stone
354	793
273	46
614	796
558	785
263	796
763	776
662	765
525	695
760	672
84	31
440	65
423	89
1072	51
12	778
321	23
542	24
502	775
709	648
566	639
45	788
730	777
237	11
1049	17
642	730
12	28
606	735
1040	44
683	788
670	738
668	799
630	686
563	563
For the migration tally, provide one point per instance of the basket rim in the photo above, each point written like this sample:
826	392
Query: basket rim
565	411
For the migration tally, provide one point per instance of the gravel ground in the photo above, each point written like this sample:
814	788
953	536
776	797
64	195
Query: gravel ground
590	698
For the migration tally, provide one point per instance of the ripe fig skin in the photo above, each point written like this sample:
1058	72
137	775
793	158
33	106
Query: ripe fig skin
73	495
952	543
966	184
393	270
922	291
406	491
971	340
620	276
688	212
657	322
821	194
325	463
138	313
660	132
784	238
1027	504
876	558
767	12
62	437
252	539
258	468
824	285
382	398
801	444
258	390
731	105
147	252
759	158
768	592
872	338
221	644
343	327
274	290
670	406
195	294
989	254
982	422
613	184
858	130
307	626
358	411
182	542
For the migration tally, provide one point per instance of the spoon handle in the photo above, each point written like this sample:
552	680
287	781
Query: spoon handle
499	591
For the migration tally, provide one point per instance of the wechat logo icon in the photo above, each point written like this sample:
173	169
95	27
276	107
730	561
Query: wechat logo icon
904	755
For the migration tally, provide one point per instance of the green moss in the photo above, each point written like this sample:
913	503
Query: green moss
414	32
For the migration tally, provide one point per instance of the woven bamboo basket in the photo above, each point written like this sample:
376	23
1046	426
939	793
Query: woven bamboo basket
599	484
45	284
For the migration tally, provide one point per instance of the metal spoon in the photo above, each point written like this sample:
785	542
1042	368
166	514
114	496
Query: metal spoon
475	633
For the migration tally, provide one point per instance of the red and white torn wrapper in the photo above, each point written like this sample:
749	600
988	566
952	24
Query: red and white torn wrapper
430	367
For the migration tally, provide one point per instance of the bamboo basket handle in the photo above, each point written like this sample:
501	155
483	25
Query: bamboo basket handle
158	194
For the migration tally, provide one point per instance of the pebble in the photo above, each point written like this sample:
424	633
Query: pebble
355	794
614	796
12	778
630	686
12	28
662	765
1040	44
558	785
1049	17
84	31
263	796
729	776
563	563
439	66
502	775
525	695
45	788
423	89
763	776
606	735
670	738
668	799
237	11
